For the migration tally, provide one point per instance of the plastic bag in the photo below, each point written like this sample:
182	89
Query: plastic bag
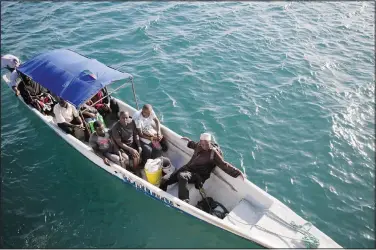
153	165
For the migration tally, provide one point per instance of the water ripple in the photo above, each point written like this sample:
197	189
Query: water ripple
287	89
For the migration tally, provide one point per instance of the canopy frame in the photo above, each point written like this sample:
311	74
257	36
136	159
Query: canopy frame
37	63
110	93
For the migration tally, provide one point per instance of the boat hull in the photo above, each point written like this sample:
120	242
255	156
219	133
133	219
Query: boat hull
178	147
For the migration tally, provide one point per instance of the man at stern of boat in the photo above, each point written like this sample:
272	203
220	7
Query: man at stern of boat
105	147
12	62
67	117
152	141
124	134
205	158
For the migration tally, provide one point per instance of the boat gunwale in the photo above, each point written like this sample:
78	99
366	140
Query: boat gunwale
214	221
176	202
197	213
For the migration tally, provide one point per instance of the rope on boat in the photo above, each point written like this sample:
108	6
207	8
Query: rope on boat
309	240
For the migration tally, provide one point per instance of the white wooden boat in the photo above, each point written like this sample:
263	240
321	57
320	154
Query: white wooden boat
253	213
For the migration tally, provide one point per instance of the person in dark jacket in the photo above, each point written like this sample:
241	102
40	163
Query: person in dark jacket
32	92
205	158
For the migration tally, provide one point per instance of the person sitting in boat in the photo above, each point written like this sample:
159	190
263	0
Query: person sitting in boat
102	102
205	158
35	95
88	111
46	103
152	141
90	115
124	134
105	147
12	62
67	117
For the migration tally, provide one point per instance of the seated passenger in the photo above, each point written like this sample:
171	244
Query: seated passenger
105	147
88	111
32	92
103	105
152	141
124	134
67	117
109	100
91	115
205	158
46	102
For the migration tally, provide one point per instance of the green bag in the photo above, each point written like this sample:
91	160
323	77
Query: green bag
91	121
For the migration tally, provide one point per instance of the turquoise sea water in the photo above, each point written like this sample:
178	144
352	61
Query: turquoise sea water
286	87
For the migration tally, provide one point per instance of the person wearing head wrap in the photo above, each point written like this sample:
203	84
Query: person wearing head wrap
11	63
205	158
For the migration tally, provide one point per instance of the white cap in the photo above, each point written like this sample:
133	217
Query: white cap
205	137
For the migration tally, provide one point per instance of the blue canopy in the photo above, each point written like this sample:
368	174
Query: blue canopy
69	75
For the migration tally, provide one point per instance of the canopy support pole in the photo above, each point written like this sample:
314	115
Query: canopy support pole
134	94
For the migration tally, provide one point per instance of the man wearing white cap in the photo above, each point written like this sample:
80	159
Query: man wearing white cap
12	62
205	158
